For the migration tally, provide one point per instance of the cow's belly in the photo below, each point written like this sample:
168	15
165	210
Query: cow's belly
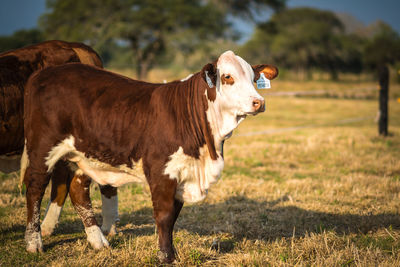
100	172
194	176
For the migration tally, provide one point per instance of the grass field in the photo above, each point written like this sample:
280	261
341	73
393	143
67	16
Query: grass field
307	183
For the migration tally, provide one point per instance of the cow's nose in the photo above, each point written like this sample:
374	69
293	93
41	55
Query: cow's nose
259	105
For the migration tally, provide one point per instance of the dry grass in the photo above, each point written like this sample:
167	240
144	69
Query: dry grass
324	195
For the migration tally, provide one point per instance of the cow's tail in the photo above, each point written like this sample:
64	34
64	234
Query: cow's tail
24	165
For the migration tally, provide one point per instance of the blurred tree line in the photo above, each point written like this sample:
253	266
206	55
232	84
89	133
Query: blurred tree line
307	39
188	33
148	33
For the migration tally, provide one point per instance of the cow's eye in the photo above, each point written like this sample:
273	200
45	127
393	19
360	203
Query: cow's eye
227	79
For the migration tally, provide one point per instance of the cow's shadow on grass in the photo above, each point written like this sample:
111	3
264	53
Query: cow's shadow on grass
241	217
263	220
244	218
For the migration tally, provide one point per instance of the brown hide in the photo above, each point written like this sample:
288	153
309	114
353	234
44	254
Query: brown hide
15	68
115	119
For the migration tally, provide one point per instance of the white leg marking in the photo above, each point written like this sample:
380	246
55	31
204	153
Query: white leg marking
51	218
110	214
33	242
33	239
95	237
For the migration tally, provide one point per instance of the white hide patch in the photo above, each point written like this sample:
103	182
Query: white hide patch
24	165
194	176
95	237
187	77
51	218
109	214
100	172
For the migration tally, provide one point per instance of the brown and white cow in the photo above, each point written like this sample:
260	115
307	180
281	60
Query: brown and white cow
116	130
16	67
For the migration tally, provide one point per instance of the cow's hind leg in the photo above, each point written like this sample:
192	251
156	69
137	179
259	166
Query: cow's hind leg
80	197
60	181
36	182
166	211
109	212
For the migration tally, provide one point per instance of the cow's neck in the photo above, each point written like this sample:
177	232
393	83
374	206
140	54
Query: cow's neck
222	123
188	101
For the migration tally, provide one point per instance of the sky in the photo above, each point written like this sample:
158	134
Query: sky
23	14
367	11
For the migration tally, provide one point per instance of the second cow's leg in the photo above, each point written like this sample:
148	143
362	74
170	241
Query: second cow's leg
80	197
60	181
109	212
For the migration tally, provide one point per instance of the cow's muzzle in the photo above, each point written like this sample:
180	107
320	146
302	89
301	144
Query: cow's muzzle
258	105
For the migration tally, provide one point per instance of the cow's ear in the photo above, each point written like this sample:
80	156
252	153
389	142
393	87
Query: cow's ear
269	71
209	74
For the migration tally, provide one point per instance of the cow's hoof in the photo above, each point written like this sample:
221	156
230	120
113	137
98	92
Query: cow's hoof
164	258
46	230
95	237
33	242
110	231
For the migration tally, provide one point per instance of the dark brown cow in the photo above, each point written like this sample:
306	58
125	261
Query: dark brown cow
116	130
15	68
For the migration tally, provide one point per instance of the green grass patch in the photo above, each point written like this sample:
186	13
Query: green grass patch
136	189
387	244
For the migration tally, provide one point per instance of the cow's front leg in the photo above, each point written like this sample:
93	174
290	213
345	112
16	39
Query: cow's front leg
80	197
109	199
60	181
166	211
36	183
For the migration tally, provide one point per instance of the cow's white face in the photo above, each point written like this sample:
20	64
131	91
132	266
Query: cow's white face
236	96
235	86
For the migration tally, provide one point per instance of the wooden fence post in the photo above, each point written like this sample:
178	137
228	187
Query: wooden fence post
383	99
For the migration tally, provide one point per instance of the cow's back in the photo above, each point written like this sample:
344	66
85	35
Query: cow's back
98	107
15	68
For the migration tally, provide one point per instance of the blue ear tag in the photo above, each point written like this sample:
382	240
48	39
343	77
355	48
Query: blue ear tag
209	82
263	82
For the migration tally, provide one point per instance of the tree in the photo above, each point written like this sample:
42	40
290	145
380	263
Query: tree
150	28
143	25
301	39
20	39
383	48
